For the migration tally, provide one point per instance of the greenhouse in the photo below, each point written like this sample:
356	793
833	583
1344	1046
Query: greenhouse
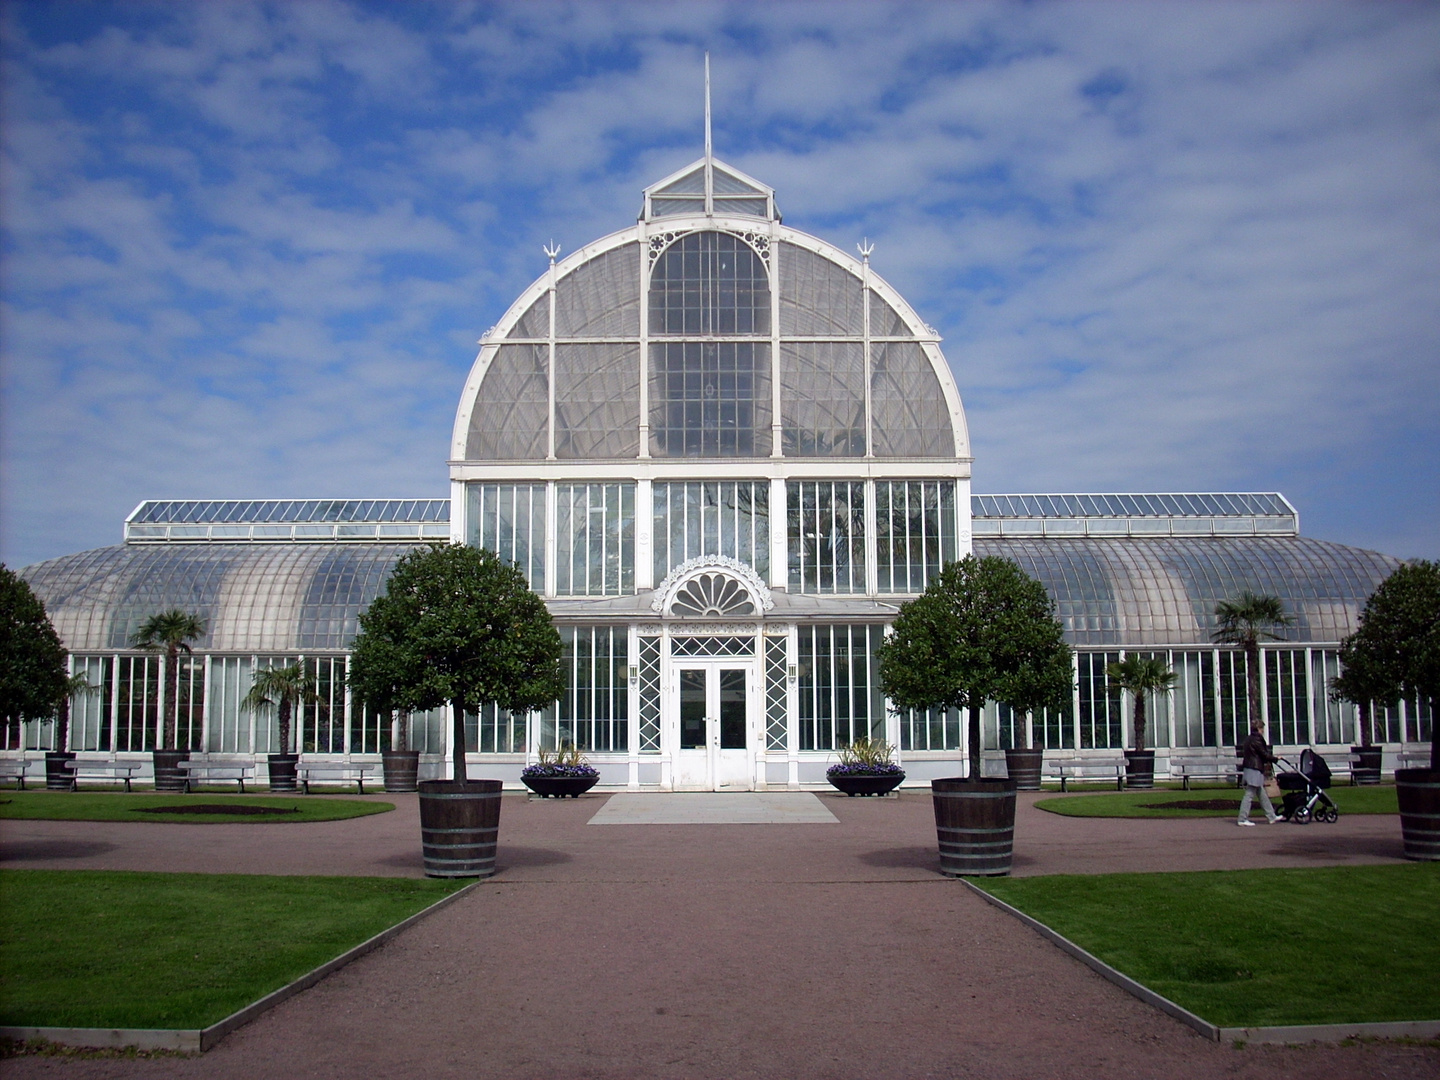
725	453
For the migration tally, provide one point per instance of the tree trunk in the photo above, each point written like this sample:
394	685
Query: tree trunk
1434	733
402	730
1367	724
458	736
974	739
1140	721
1252	683
172	691
62	724
284	725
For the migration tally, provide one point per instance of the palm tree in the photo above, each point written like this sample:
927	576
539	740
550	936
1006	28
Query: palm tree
169	632
1243	621
1140	676
283	687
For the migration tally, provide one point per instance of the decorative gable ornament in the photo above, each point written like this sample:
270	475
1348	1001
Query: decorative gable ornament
712	586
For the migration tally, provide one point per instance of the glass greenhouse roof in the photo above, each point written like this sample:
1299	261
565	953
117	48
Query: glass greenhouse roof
289	510
1210	504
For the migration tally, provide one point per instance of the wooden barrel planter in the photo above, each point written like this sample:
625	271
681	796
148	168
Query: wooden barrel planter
459	826
975	822
560	787
859	785
57	777
402	769
1023	766
1418	791
282	772
1366	770
1140	769
168	774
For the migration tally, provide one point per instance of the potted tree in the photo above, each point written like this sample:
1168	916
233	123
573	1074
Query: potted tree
376	680
1360	685
1243	621
57	777
866	767
283	687
169	633
32	659
560	773
465	629
1397	645
982	630
1140	676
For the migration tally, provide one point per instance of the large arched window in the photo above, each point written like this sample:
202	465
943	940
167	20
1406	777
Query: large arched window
709	398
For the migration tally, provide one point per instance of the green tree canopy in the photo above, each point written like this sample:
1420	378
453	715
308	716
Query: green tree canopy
1244	621
32	660
458	624
283	687
983	630
1141	676
169	633
1396	648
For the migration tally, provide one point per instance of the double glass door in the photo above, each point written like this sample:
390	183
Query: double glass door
713	751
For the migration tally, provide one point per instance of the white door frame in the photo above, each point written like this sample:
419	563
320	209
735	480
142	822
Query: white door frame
713	768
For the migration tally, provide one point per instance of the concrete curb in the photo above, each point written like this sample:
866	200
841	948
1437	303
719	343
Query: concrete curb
199	1040
1300	1033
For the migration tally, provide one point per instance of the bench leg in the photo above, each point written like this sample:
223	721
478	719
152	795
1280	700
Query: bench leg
360	786
1062	782
127	784
241	782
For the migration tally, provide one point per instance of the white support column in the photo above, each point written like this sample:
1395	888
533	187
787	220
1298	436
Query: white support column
792	710
459	512
644	535
551	251
644	242
777	416
205	706
779	536
551	527
865	249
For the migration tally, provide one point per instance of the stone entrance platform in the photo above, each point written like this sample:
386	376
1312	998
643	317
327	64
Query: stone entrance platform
715	808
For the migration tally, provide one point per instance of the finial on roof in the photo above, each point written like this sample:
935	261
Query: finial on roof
552	249
709	148
865	248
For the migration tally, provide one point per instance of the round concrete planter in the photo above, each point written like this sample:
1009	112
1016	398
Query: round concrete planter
560	787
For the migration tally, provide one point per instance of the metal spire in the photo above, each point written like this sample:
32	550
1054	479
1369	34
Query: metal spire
709	158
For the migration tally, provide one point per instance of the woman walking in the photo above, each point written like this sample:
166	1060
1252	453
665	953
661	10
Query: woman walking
1256	757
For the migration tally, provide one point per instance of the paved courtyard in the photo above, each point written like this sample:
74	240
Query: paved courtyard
819	942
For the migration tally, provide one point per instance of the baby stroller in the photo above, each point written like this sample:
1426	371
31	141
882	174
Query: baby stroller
1305	799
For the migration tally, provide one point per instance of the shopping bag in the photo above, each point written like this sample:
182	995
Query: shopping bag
1272	787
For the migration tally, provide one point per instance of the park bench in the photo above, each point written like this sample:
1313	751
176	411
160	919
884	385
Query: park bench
217	769
337	770
14	769
1086	771
1204	768
115	770
1413	759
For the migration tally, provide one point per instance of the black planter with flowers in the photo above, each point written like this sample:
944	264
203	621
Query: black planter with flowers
562	774
865	769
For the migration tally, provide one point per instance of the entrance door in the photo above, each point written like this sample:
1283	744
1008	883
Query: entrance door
713	752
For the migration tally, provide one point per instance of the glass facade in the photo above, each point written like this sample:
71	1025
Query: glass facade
727	517
595	537
825	523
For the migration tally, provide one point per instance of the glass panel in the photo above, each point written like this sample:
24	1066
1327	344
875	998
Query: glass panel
1101	708
822	398
692	709
1193	698
909	413
90	712
1234	700
597	400
322	722
931	729
826	536
818	297
600	298
649	649
137	706
512	408
915	526
730	518
594	711
732	709
710	399
838	690
709	283
509	519
595	534
1335	721
1287	691
712	646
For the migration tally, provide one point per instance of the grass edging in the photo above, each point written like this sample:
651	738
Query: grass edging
202	1039
1296	1033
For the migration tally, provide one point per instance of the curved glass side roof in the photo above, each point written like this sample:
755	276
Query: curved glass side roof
237	511
261	598
1131	591
1206	504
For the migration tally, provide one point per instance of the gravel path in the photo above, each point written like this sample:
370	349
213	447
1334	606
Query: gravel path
817	950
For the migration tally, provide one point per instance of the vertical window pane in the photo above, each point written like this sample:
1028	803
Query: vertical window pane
595	536
838	688
915	532
730	518
710	399
509	519
594	711
826	536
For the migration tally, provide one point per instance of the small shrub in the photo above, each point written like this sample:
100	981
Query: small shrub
566	761
865	757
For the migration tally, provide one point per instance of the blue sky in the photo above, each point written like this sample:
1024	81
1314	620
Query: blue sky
249	248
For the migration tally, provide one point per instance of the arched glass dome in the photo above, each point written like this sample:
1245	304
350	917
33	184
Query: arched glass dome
721	335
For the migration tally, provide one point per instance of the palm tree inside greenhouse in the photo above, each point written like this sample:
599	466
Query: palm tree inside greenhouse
283	687
169	632
1141	676
1244	621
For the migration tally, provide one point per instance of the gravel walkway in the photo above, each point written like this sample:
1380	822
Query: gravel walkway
726	951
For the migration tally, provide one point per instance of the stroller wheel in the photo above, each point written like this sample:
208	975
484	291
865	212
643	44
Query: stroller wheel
1301	815
1332	815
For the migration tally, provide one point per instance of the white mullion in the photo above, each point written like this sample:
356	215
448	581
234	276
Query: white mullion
550	376
643	241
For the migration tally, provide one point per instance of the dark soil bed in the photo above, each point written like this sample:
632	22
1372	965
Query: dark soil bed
237	809
1192	804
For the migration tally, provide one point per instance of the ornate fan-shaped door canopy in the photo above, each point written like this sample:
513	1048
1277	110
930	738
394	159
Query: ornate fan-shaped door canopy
711	596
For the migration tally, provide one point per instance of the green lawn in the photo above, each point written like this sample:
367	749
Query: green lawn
122	806
91	948
1254	948
1350	800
